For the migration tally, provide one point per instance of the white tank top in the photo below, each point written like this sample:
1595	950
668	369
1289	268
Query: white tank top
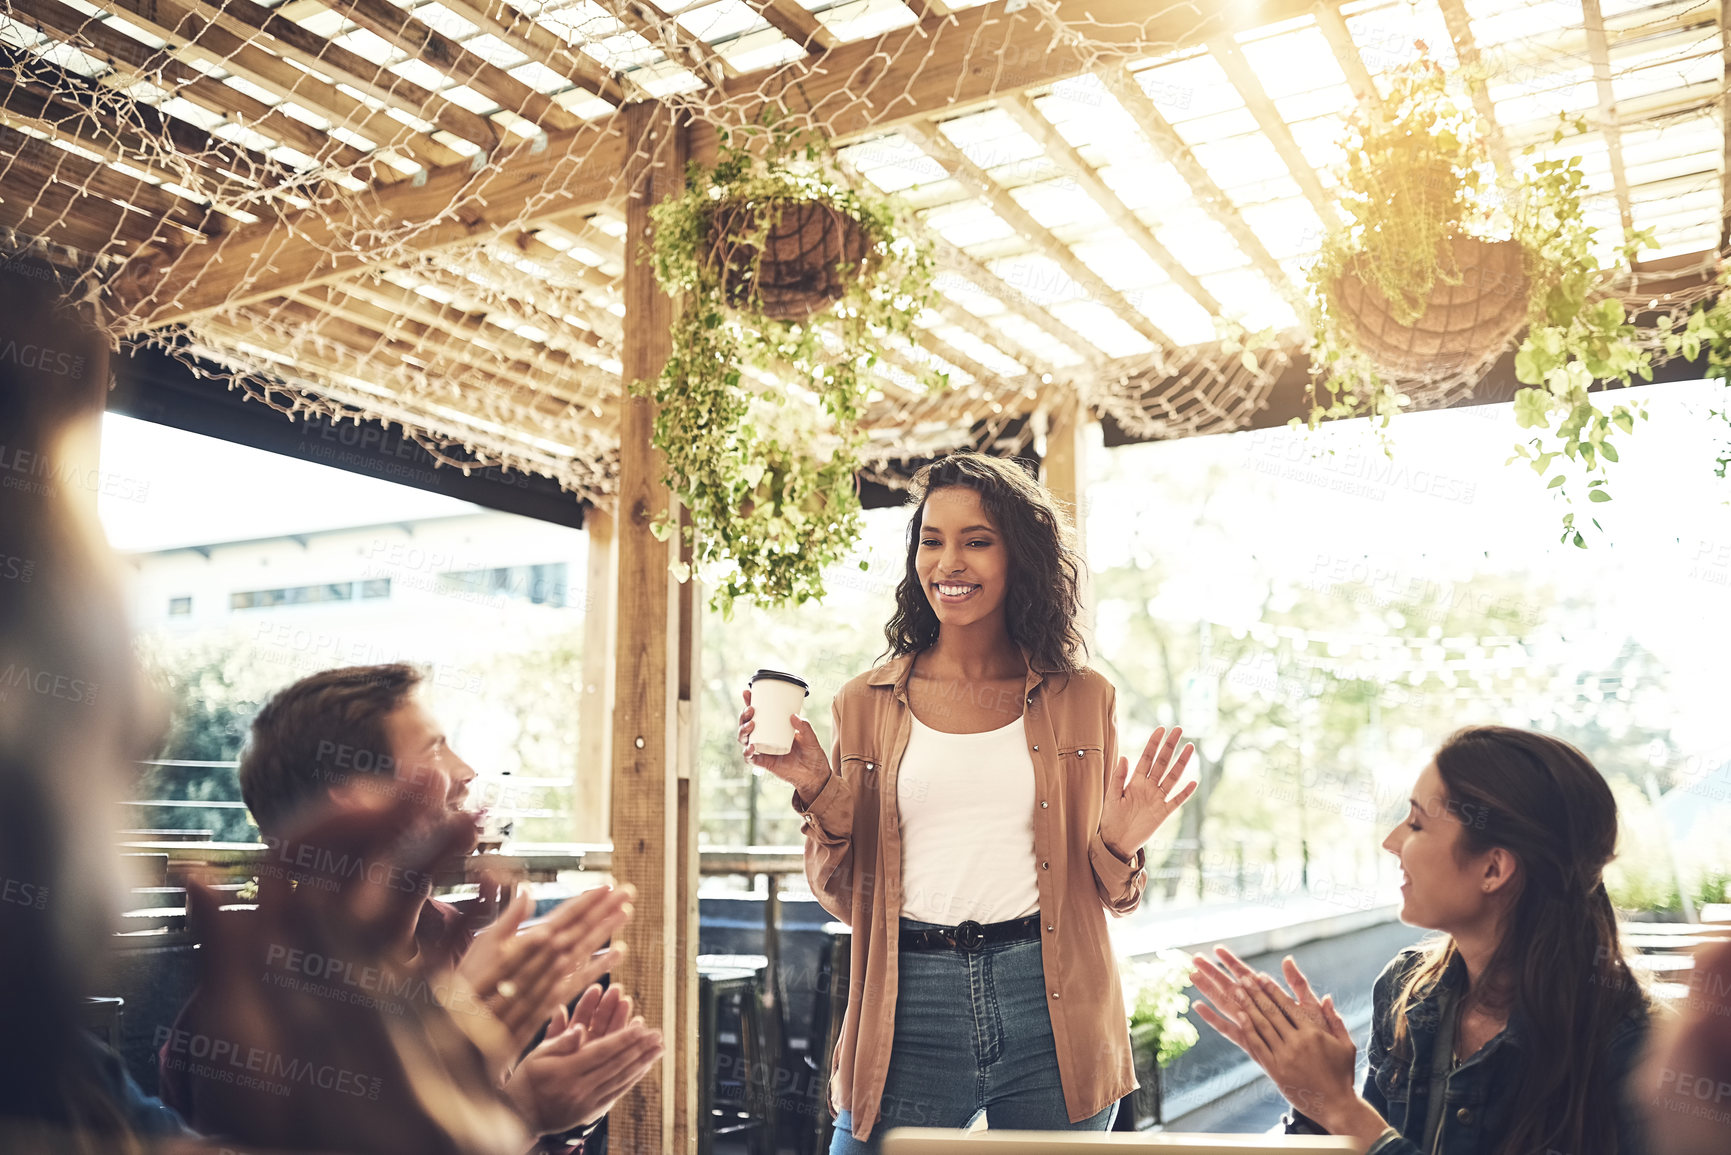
967	825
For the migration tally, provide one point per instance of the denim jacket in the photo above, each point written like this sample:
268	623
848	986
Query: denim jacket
1480	1096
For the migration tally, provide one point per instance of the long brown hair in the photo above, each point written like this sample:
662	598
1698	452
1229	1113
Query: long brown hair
1559	961
1044	601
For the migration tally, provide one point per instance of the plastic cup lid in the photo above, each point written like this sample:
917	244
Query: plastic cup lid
778	676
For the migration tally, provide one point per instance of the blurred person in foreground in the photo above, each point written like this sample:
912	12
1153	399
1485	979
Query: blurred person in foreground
1685	1081
74	714
1515	1030
362	734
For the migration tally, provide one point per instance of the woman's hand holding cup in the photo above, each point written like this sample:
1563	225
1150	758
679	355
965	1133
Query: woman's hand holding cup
805	767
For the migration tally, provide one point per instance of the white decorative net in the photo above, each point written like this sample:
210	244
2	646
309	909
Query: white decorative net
412	210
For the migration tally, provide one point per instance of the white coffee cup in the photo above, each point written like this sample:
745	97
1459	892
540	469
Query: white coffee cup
775	697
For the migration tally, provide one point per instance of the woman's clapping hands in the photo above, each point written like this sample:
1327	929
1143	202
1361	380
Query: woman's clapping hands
1299	1041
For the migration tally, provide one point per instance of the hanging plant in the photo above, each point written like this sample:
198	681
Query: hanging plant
1435	270
790	283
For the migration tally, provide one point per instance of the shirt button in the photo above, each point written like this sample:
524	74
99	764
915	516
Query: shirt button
871	765
1081	754
1036	745
1045	866
1465	1115
1030	699
1048	928
1042	806
1054	994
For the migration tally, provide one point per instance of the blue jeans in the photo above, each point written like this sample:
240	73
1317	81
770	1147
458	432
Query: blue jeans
973	1033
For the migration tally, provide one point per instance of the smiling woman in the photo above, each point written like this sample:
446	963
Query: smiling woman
973	823
1519	1026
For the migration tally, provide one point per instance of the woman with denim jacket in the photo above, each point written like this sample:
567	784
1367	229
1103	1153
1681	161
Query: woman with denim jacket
1518	1029
973	825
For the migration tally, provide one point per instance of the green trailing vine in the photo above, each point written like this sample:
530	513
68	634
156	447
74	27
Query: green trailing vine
766	473
1417	174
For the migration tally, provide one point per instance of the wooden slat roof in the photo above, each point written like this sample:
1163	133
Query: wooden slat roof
413	206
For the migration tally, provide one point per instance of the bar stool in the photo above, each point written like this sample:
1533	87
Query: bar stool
101	1017
730	992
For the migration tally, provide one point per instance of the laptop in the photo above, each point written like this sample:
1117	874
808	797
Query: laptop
941	1141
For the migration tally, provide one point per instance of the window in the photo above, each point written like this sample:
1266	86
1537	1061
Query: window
376	588
179	607
292	596
541	585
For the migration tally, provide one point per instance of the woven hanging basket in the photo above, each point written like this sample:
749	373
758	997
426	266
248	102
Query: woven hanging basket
1462	324
797	269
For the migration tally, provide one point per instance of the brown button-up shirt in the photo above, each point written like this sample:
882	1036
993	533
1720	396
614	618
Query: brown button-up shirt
853	860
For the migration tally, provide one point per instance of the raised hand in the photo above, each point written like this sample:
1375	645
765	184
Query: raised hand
1300	1042
585	1064
1136	803
523	976
400	1077
805	767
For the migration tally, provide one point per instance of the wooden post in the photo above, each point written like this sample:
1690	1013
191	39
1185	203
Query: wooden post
1065	466
684	1034
593	775
645	803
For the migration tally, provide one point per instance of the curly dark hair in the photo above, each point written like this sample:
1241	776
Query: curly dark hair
1045	594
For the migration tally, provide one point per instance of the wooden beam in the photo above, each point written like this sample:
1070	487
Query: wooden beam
591	802
38	161
951	63
1725	123
645	819
550	361
422	42
1033	122
420	348
1460	28
1225	51
1207	194
853	90
999	340
796	22
302	46
134	61
195	40
312	247
1346	54
501	20
662	30
520	300
1064	469
1593	20
79	111
932	141
318	342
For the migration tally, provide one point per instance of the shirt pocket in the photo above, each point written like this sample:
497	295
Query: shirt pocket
862	769
1396	1087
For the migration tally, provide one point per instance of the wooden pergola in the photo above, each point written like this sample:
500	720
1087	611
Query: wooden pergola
433	213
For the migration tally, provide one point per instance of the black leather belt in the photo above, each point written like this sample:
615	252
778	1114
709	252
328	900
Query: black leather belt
972	936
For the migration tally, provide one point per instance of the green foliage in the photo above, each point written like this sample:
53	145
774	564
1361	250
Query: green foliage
1417	174
768	478
1154	996
1707	330
211	707
1575	337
